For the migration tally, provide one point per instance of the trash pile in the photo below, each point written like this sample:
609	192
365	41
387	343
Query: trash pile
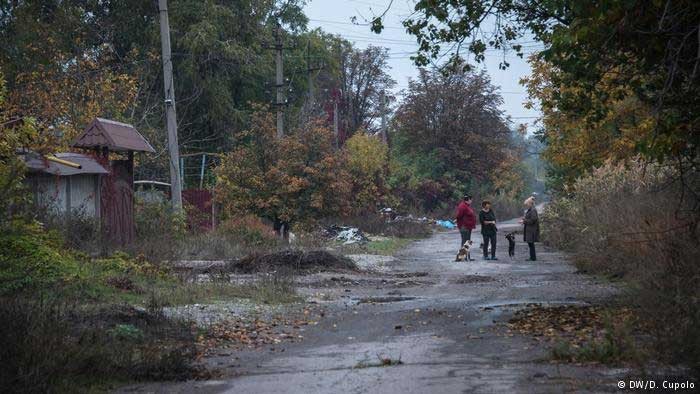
411	218
346	235
448	224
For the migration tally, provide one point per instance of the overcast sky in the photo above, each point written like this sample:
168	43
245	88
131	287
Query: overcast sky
334	16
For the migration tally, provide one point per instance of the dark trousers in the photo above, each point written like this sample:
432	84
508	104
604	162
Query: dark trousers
533	255
466	234
492	239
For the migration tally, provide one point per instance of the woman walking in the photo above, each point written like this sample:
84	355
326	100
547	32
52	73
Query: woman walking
531	230
487	219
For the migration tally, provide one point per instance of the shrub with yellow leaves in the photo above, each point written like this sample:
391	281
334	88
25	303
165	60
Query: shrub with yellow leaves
367	164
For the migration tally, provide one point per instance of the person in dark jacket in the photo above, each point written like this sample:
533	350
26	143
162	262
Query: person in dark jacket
531	230
466	219
487	219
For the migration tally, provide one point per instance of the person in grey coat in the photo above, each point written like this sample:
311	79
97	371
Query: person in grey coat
531	230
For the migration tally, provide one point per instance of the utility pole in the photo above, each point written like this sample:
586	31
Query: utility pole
385	137
335	121
279	82
171	119
309	72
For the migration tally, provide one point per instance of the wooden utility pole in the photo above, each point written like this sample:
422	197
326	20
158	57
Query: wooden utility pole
279	82
335	121
171	119
385	137
309	71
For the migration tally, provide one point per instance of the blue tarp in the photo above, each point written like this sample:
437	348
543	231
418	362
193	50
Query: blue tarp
445	223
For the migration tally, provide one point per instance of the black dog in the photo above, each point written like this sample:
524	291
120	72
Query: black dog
511	244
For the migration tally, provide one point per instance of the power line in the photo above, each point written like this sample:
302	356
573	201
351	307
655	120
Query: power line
385	5
353	24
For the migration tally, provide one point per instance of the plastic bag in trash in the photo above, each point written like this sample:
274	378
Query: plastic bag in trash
446	224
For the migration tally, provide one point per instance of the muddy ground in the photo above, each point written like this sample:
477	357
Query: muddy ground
419	323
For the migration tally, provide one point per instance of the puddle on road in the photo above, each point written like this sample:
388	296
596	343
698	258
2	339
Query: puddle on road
382	300
526	303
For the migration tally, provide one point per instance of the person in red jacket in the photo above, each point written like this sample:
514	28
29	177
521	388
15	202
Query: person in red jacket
466	219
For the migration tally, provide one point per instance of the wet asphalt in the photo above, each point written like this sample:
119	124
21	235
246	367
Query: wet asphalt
440	323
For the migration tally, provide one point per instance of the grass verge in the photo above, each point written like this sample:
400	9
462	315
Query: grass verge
386	246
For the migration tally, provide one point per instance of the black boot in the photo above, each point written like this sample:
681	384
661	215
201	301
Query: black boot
533	254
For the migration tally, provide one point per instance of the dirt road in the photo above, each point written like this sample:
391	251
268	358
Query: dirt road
439	318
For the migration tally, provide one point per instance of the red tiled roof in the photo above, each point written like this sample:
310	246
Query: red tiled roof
116	136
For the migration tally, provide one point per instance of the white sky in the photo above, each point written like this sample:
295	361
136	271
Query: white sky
333	16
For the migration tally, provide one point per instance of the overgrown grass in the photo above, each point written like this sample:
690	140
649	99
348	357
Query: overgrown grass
633	222
47	345
616	346
72	322
264	289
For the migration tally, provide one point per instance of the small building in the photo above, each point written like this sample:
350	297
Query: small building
65	183
97	183
113	144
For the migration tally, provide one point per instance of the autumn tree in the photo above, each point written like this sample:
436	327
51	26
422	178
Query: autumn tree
364	78
57	72
449	136
610	127
454	120
298	178
367	159
15	134
67	61
642	53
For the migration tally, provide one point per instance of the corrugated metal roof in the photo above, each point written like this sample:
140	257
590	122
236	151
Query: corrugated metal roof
116	136
88	164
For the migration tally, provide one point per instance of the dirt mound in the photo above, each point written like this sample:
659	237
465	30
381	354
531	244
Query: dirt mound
293	261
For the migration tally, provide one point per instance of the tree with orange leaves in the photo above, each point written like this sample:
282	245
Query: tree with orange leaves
299	178
66	92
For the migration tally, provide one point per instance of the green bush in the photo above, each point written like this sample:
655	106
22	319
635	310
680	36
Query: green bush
32	259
